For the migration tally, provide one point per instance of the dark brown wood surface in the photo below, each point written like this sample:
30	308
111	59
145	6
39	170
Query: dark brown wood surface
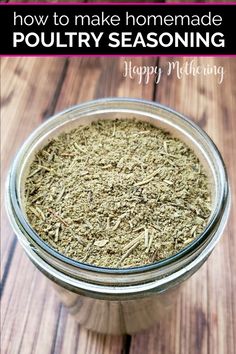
33	320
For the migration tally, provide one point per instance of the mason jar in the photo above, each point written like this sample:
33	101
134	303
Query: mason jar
119	300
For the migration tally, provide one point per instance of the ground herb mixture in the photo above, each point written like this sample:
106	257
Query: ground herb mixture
117	194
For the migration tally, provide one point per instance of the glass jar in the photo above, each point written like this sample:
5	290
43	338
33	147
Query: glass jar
127	300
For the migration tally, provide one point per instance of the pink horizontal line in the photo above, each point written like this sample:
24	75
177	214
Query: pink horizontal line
119	55
122	3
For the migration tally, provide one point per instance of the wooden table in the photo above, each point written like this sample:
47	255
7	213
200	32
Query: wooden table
33	319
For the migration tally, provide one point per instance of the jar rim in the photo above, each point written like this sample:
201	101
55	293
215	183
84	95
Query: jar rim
13	197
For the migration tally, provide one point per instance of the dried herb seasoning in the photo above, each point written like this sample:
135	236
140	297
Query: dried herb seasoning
117	194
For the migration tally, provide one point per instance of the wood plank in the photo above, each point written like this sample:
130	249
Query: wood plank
89	78
204	321
32	316
27	89
207	299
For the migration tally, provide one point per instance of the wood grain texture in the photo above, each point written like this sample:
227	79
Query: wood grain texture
101	77
33	320
25	98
